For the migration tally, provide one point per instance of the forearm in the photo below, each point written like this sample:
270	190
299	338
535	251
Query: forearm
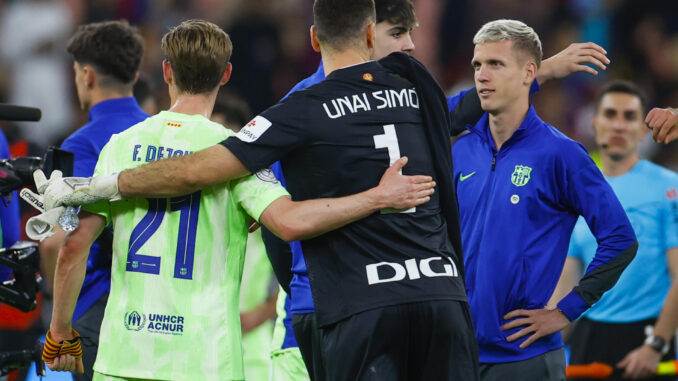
49	252
292	221
545	72
68	279
595	283
181	175
568	279
70	272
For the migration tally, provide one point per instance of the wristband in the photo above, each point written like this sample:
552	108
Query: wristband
52	349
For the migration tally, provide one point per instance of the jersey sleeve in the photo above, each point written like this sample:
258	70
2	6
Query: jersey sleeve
587	192
103	167
272	134
575	249
256	192
670	218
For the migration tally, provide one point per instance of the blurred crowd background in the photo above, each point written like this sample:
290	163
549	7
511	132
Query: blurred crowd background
272	52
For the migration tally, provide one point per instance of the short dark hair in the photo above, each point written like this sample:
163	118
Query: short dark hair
198	52
340	23
397	12
622	86
113	48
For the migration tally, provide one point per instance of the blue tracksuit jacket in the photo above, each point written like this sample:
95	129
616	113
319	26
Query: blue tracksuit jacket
517	208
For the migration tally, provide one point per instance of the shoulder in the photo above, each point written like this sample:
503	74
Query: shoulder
81	137
561	145
658	175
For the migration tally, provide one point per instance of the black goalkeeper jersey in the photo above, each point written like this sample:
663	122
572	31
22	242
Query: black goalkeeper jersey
335	139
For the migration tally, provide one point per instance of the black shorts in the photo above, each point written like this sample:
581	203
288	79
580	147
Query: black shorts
608	342
417	341
308	338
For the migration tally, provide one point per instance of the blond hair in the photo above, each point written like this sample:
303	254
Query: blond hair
198	52
524	38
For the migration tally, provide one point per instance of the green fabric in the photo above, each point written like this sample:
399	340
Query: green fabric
254	291
288	365
164	326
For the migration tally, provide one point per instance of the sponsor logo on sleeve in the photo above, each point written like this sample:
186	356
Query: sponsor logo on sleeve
671	194
266	175
254	129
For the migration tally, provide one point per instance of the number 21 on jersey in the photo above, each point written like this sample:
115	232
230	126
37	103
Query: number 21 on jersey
188	206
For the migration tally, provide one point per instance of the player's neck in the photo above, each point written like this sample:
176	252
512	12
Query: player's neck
613	167
333	60
193	104
503	124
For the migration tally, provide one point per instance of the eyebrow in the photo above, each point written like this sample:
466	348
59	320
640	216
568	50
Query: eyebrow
398	28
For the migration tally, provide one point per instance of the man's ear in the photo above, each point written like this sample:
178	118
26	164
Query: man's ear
227	74
89	75
314	39
167	73
530	72
371	35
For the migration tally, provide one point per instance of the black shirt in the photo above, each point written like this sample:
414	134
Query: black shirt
336	139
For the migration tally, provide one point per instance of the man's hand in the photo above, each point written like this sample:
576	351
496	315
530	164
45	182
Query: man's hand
641	362
664	124
63	352
539	323
398	191
571	60
60	191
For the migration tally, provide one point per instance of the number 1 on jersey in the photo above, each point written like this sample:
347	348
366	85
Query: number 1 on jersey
389	140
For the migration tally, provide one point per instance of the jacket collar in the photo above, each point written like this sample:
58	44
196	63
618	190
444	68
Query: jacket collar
113	106
482	128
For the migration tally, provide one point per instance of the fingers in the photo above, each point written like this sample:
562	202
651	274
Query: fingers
591	45
33	199
421	179
523	332
624	362
399	164
586	69
40	180
516	313
594	61
79	367
531	340
64	363
516	323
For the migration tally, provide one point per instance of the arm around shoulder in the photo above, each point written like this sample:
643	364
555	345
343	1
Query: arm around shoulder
181	175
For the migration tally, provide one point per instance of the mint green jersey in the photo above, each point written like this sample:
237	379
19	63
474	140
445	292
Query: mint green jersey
177	263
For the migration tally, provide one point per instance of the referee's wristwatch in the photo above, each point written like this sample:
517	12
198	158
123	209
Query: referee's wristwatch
658	344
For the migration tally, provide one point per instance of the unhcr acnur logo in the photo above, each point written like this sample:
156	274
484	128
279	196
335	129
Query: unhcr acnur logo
135	321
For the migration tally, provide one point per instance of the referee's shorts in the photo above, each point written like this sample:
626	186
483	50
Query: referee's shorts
609	343
431	340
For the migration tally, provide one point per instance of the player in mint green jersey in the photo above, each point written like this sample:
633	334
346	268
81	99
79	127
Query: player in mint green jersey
177	263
